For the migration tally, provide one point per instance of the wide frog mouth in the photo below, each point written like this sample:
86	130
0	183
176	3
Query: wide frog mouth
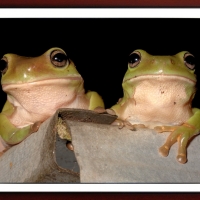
163	77
52	82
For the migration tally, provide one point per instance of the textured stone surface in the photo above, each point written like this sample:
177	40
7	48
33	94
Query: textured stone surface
33	159
107	154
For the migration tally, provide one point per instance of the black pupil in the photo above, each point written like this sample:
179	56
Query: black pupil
190	60
60	57
3	65
133	58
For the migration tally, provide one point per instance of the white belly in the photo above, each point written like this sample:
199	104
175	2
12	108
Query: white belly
159	102
39	100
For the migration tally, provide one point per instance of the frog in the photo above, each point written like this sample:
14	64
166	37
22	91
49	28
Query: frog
157	94
36	88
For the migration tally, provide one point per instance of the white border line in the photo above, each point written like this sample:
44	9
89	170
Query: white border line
100	13
100	187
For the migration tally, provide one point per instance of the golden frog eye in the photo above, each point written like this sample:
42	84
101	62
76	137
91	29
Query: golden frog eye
134	59
59	58
189	60
3	65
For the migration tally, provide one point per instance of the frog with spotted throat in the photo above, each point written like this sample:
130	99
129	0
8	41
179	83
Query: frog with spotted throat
36	87
158	92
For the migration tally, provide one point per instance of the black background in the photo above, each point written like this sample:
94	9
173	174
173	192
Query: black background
100	47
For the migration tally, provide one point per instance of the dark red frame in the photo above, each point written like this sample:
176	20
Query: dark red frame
99	4
101	196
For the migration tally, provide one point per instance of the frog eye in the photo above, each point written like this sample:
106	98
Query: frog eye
134	59
189	60
3	65
59	58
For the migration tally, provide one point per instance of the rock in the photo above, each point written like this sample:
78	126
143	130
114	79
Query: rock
34	160
106	154
102	154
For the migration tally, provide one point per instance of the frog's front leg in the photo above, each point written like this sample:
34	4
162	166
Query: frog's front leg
95	102
11	135
181	134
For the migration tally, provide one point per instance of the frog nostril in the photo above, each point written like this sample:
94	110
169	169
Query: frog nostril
172	62
3	65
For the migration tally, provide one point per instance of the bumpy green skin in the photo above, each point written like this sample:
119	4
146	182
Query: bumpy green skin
22	70
152	65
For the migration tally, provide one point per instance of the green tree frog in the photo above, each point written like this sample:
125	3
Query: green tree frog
158	92
36	87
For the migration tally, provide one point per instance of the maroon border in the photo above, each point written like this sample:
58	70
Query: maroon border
99	3
101	196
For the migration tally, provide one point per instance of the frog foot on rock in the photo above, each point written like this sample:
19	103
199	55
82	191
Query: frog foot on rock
124	123
181	134
35	127
121	123
100	110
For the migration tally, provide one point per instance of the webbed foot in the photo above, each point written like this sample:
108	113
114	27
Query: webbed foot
124	123
121	123
181	134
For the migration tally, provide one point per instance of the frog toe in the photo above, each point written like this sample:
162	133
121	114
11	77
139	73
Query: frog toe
118	123
70	146
182	146
164	150
182	158
160	129
129	126
123	123
35	127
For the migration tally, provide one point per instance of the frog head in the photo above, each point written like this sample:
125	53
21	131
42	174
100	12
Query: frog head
143	66
53	64
47	81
